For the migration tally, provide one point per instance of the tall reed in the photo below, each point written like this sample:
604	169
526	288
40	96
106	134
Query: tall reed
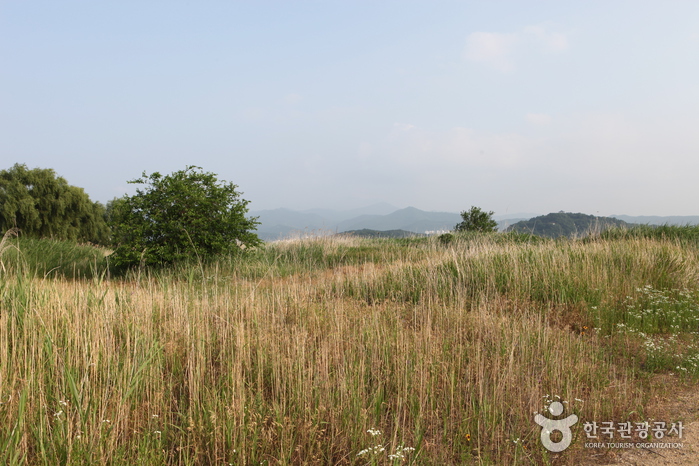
290	355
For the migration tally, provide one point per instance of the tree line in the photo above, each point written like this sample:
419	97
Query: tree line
188	213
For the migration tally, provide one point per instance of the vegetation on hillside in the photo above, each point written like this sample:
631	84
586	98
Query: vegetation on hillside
342	350
571	225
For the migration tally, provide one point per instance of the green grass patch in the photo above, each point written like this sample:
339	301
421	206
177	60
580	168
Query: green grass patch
53	258
686	234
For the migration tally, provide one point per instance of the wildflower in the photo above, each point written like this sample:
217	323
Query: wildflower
400	452
373	450
374	432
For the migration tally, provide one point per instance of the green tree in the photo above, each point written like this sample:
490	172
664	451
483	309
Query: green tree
476	219
183	215
41	204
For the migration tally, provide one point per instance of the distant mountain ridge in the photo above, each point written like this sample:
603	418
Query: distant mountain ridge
658	220
410	219
278	223
382	208
281	223
366	233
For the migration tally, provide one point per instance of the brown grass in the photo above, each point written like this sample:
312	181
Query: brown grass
448	350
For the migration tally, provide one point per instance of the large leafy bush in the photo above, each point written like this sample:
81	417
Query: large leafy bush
476	219
187	214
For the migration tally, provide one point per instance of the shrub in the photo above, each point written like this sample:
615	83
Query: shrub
476	219
188	214
446	238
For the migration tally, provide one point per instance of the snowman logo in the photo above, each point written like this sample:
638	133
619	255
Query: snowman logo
549	426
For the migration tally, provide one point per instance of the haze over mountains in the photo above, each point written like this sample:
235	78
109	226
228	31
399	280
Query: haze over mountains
657	220
282	223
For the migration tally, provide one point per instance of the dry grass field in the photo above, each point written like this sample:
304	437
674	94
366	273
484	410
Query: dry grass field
340	350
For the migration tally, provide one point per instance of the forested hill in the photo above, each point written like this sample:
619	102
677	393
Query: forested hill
566	224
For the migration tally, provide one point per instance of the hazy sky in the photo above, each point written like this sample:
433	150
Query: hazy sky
513	106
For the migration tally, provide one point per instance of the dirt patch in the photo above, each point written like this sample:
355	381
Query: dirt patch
680	404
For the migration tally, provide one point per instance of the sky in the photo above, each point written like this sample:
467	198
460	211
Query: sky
512	106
